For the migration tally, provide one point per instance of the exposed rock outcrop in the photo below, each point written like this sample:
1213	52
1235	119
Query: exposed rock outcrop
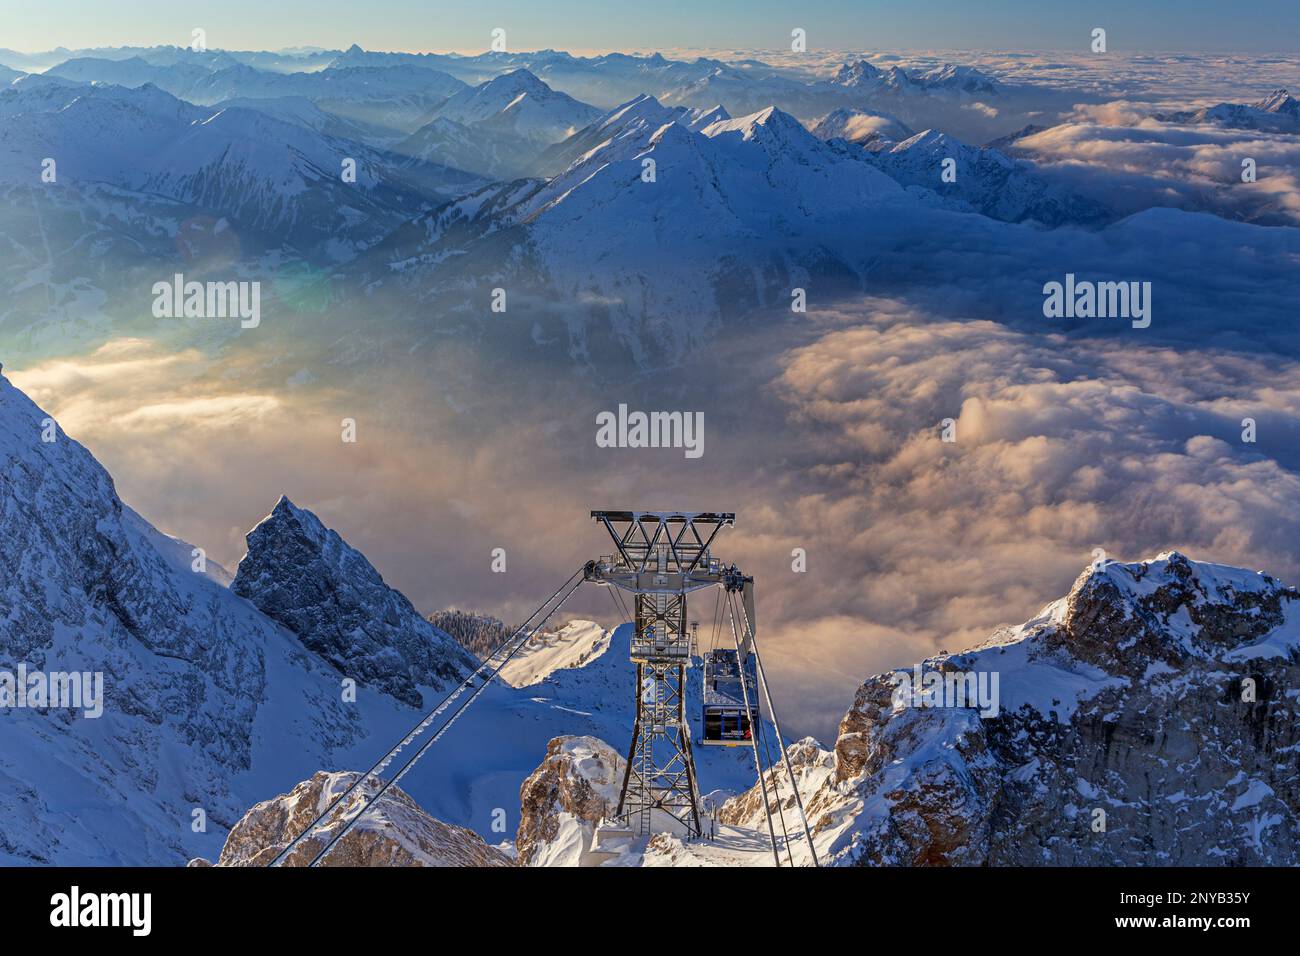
1147	718
394	832
306	577
564	798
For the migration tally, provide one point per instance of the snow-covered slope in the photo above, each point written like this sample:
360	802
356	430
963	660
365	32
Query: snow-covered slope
304	576
301	111
986	181
208	706
1143	719
549	651
484	152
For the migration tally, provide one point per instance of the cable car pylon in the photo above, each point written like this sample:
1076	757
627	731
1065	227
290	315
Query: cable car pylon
660	557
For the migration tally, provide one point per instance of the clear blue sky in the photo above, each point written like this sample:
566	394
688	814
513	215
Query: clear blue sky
1189	25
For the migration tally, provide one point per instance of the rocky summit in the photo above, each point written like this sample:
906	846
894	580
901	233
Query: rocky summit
394	832
1147	718
304	576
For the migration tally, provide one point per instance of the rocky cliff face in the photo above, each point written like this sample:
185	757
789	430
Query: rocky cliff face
564	798
188	671
306	577
1147	718
394	832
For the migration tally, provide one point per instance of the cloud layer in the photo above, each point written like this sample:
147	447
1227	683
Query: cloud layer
913	544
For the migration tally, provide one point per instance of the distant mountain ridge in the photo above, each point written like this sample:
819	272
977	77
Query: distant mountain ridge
1277	112
282	179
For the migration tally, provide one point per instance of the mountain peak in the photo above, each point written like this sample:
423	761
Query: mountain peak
520	79
964	78
307	578
926	139
1125	617
769	120
1279	101
856	74
286	507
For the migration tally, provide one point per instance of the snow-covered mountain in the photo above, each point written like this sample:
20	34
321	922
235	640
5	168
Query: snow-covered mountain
283	180
1144	719
633	124
301	111
304	576
959	79
857	74
1279	112
519	105
175	78
497	128
484	152
865	78
665	224
862	127
208	705
987	181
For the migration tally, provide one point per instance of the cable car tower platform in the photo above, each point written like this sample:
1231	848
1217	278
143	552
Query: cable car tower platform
661	556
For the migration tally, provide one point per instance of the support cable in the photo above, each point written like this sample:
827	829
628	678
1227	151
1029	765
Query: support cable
756	725
415	731
758	763
405	768
776	724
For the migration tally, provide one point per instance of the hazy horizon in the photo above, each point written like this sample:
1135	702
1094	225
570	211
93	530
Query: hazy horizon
1198	26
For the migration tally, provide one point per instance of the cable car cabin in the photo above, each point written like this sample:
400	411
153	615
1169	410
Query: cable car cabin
727	721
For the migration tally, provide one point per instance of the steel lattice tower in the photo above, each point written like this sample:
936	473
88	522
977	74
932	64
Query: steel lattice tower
661	557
